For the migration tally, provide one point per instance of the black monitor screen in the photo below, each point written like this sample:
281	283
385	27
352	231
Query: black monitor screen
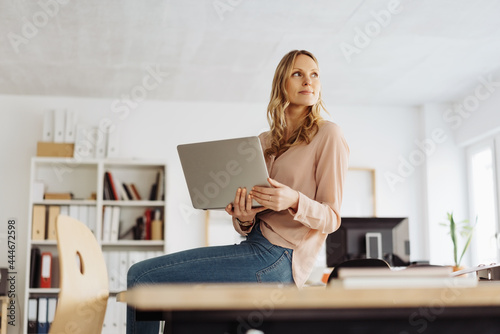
360	238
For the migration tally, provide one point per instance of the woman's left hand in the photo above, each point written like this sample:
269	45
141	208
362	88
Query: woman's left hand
277	198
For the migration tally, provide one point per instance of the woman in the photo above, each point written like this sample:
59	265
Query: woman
307	159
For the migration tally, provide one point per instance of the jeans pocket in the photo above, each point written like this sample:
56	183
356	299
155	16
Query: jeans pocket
280	271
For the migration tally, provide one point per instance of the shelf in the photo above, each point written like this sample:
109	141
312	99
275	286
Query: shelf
133	203
85	179
66	202
72	162
141	243
133	163
41	291
43	242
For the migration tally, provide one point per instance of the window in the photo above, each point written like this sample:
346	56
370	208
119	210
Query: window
483	189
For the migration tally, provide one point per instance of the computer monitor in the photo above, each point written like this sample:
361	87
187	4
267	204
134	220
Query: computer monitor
369	237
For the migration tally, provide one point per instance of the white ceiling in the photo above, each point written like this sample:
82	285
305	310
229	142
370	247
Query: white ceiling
227	50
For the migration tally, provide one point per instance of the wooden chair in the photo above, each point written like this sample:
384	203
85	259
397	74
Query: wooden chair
83	296
356	263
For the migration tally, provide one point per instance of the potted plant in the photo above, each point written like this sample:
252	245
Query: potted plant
463	229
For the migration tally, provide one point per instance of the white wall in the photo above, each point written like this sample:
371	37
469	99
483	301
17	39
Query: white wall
470	119
378	138
445	180
477	115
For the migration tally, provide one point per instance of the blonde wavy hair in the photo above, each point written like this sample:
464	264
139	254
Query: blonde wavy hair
278	103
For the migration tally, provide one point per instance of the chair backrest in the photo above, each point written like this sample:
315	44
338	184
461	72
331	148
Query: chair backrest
83	295
356	263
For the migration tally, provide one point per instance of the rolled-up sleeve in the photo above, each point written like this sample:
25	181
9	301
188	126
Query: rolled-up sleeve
238	228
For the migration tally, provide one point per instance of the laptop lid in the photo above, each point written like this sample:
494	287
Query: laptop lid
214	170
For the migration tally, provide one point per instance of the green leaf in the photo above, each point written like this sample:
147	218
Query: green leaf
453	237
462	229
465	248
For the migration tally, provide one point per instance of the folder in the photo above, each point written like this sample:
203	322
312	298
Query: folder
43	326
83	149
113	265
35	263
123	267
54	211
100	139
113	139
152	254
91	218
83	212
135	257
110	324
48	126
38	224
70	126
115	223
121	309
51	310
74	211
92	138
32	315
106	223
59	120
46	270
64	210
55	271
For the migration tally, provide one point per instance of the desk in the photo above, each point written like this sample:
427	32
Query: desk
235	308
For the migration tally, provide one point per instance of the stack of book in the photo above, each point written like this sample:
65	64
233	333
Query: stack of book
58	196
410	277
148	226
116	190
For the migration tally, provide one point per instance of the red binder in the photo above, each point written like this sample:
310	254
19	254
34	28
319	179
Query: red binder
148	219
46	270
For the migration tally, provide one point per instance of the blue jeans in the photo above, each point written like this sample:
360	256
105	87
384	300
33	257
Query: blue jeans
253	260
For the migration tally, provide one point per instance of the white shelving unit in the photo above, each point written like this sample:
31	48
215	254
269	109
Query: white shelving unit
84	178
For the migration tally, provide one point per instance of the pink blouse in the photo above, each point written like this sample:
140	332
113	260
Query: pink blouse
317	171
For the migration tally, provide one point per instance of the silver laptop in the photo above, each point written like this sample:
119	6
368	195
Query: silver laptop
214	170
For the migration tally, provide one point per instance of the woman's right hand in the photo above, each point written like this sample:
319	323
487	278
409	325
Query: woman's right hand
242	206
